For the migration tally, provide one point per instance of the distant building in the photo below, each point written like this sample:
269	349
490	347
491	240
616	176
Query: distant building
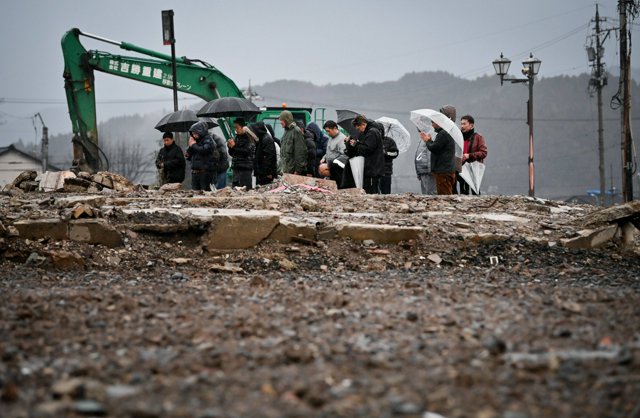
14	161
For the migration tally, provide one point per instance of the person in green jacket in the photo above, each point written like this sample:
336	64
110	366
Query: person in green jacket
293	151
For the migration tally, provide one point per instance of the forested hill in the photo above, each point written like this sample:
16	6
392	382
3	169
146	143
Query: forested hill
565	125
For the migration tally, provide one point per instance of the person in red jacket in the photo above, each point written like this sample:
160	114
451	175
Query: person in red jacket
475	149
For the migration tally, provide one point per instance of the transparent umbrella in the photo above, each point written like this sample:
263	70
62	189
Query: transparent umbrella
422	118
472	173
396	131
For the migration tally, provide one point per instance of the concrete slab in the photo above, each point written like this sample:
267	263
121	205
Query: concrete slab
54	228
236	228
290	227
94	231
591	238
382	234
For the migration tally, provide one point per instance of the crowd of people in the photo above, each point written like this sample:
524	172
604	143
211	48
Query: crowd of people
255	151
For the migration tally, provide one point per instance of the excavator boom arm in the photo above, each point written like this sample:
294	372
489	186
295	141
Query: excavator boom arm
193	77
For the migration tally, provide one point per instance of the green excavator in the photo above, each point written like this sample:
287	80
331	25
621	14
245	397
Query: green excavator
193	76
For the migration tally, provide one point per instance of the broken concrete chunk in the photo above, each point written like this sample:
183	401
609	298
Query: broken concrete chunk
629	212
590	238
76	185
42	228
290	227
24	176
293	179
309	204
381	234
51	181
65	260
94	231
112	181
29	185
234	229
83	211
170	187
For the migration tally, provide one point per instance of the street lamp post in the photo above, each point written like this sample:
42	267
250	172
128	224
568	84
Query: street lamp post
530	69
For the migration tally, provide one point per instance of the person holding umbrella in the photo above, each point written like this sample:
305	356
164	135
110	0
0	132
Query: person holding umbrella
293	152
475	149
443	157
170	161
242	150
203	155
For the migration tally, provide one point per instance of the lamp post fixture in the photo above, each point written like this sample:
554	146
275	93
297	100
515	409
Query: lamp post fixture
530	69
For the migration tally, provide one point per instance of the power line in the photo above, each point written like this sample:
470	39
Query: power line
105	101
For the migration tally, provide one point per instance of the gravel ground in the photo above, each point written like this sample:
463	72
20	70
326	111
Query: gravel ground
163	327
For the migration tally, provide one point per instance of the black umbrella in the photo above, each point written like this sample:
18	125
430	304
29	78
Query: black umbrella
345	117
181	121
229	106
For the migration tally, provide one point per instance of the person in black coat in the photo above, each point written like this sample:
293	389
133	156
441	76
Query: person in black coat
203	155
321	142
310	141
223	161
265	164
390	153
369	146
443	161
170	161
242	149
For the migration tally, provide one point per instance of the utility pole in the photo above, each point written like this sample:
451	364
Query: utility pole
45	143
625	125
598	81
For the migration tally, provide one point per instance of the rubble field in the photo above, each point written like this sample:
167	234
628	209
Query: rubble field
305	302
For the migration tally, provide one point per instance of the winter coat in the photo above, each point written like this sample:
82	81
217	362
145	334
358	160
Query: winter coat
423	159
320	140
293	150
223	159
335	148
203	154
244	152
477	147
309	139
369	146
443	152
265	162
390	153
171	161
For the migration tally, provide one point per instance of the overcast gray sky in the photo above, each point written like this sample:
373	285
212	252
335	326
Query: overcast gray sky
330	41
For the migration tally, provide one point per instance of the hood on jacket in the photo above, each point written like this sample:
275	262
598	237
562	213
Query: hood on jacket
271	132
287	117
199	128
260	129
313	127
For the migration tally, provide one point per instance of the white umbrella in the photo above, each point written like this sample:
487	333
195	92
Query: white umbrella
422	118
396	131
357	170
472	173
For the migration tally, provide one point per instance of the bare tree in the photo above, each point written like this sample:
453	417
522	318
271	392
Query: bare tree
128	159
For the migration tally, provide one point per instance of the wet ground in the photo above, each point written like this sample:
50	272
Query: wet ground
163	327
